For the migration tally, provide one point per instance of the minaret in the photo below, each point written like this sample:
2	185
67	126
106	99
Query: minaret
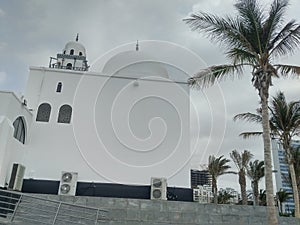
73	57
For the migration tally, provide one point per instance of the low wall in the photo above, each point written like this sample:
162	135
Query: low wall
139	211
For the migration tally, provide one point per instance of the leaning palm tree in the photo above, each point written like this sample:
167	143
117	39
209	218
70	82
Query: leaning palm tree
255	172
241	161
284	124
217	167
282	196
254	38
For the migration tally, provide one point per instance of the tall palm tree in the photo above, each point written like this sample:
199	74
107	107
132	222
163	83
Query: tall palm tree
254	38
217	167
255	172
282	196
241	161
284	124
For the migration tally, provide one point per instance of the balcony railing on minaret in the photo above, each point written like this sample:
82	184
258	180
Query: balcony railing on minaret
53	63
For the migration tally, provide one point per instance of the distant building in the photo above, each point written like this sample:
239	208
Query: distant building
282	173
200	177
203	194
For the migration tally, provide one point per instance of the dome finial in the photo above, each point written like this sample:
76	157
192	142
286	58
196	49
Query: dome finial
77	37
137	45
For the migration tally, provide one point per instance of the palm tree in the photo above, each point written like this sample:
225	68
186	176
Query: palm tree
254	38
285	124
262	197
224	197
255	172
217	167
241	161
282	196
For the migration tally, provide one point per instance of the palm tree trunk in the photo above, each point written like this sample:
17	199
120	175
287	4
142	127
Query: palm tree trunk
255	193
294	184
215	190
271	209
242	181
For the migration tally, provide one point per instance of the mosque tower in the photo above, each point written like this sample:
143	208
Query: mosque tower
73	57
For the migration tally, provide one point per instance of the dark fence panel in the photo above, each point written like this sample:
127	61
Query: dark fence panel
105	190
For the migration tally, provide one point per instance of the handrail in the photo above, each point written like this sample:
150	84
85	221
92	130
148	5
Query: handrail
14	213
55	217
38	209
49	200
22	206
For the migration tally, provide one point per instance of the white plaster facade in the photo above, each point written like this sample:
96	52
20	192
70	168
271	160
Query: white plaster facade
129	123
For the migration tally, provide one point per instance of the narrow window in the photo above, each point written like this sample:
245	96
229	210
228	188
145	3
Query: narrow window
65	114
43	113
19	129
72	52
64	52
59	87
80	53
69	66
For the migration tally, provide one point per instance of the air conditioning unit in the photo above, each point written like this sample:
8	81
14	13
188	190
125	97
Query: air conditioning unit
196	195
158	188
68	183
16	177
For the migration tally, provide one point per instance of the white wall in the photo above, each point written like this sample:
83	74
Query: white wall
121	131
6	131
11	150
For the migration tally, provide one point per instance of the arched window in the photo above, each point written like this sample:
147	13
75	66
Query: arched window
72	52
59	87
43	113
64	51
19	132
65	114
80	53
69	66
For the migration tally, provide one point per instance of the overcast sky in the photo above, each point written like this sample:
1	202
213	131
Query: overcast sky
33	30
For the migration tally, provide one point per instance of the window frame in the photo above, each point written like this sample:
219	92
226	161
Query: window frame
59	87
65	114
20	129
39	115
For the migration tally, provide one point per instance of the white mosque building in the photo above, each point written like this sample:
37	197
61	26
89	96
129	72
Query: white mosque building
123	123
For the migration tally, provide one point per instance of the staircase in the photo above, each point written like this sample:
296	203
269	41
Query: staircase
23	209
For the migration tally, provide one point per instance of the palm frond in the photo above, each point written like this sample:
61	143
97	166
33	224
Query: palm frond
255	170
241	56
212	74
274	20
227	31
242	159
281	34
247	135
218	166
287	40
285	117
286	70
248	117
252	17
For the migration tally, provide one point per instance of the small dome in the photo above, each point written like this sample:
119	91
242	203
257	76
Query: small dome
134	64
74	48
